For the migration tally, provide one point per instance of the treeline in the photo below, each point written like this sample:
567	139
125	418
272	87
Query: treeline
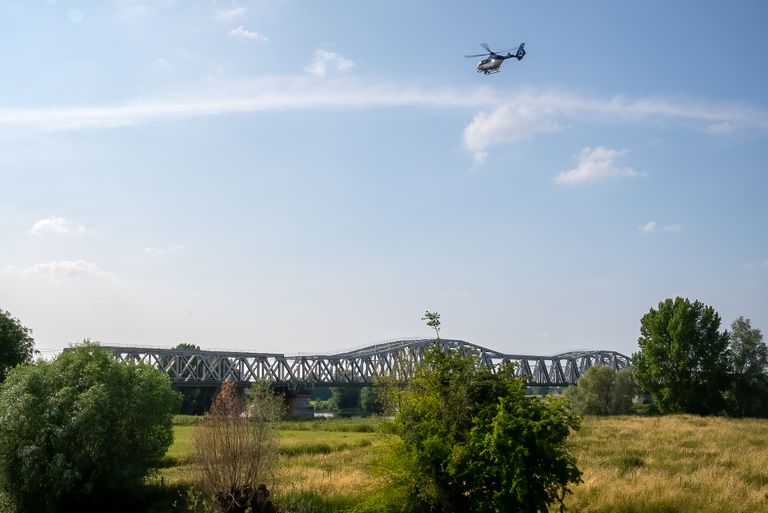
685	364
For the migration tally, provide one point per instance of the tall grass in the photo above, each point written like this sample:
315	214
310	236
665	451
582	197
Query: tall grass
671	464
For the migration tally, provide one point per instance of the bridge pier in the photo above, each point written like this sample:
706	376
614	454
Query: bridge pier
298	404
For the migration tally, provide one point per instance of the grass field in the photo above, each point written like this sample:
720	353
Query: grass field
673	464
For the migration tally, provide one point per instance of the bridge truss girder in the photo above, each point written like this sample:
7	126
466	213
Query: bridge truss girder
358	367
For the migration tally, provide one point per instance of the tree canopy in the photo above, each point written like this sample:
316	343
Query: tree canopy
748	361
16	343
82	431
683	360
603	391
469	440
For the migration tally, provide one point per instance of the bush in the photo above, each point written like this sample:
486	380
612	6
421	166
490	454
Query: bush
236	445
603	391
82	432
469	440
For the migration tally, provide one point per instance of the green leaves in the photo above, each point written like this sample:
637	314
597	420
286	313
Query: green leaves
471	441
82	429
682	360
16	343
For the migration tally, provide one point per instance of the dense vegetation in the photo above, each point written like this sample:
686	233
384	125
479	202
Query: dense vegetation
82	432
688	365
468	439
16	343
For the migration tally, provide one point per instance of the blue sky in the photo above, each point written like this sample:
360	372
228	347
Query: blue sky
270	175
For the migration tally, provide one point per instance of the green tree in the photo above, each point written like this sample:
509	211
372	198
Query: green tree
603	391
469	440
433	321
16	343
82	431
683	360
369	400
748	360
344	398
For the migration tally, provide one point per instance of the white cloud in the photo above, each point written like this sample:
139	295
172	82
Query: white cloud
229	14
59	269
129	9
163	251
653	227
56	224
325	60
526	114
595	164
511	115
507	123
241	33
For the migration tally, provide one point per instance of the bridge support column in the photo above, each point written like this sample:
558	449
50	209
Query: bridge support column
298	405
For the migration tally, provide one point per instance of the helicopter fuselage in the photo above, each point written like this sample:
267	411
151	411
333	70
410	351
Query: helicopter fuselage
490	65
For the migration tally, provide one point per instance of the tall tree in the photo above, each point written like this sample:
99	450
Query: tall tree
683	358
16	343
748	359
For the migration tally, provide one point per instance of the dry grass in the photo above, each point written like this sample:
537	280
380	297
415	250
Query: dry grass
675	464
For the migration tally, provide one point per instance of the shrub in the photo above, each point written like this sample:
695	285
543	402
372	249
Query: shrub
469	440
236	445
82	431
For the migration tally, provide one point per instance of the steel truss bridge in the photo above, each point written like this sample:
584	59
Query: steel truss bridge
357	367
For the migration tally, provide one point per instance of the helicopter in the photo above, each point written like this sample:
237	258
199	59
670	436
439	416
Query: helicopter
492	63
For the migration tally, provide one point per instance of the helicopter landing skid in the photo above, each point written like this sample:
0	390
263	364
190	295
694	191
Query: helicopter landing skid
489	71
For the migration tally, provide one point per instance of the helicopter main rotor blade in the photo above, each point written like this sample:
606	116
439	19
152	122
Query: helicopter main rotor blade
478	55
485	45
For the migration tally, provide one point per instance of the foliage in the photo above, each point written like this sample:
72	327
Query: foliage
16	343
369	400
236	445
82	431
748	365
683	358
468	439
433	321
603	391
344	397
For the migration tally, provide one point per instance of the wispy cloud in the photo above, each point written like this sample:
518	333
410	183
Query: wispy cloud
229	14
753	265
60	269
241	33
511	116
527	114
595	164
56	224
325	60
653	227
163	251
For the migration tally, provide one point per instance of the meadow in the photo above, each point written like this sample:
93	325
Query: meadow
630	464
